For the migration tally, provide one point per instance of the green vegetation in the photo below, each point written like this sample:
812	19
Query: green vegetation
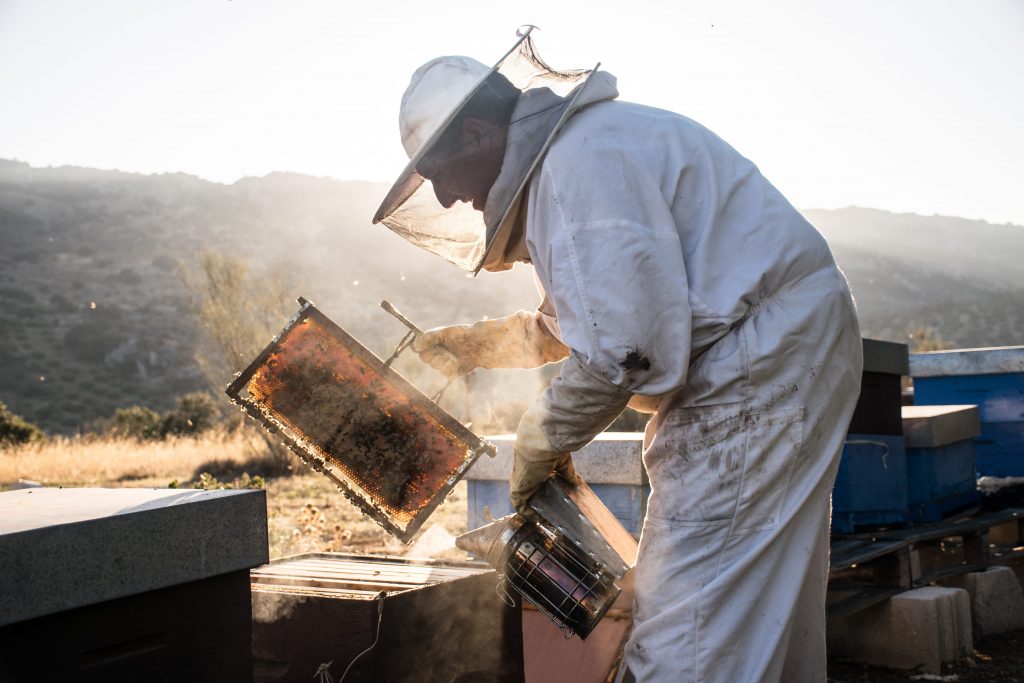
210	483
14	429
119	289
193	414
135	422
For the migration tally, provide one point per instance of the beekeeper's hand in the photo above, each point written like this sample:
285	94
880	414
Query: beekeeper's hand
534	463
446	349
566	417
520	340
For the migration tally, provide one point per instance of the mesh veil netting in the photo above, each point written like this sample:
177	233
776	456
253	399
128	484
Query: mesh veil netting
461	234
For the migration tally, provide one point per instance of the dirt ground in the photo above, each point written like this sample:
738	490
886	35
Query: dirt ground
997	659
305	513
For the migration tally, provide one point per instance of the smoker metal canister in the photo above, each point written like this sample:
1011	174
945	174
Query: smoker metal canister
565	565
556	576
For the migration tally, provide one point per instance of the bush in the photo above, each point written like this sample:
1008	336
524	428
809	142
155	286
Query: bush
210	483
194	414
136	422
14	429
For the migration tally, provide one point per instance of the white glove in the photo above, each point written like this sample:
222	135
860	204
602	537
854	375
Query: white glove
577	406
520	340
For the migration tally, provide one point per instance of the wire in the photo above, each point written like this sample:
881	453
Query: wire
886	450
380	614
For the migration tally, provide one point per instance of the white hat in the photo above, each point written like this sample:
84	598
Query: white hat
436	89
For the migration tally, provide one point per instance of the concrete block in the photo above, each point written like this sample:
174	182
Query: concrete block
935	426
997	601
67	548
611	458
917	630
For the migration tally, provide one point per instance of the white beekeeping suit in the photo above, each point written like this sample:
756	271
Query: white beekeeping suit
680	277
677	270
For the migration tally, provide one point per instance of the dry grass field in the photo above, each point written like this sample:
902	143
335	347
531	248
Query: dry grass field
305	512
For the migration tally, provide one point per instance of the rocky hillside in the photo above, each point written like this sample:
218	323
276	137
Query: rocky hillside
94	313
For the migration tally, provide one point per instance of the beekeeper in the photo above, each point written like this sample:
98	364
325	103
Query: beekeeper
676	279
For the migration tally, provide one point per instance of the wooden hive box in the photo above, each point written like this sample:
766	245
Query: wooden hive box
437	621
940	460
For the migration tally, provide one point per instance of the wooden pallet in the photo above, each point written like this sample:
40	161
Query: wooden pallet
867	568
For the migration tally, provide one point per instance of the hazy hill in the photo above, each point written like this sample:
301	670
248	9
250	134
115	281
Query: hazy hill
94	315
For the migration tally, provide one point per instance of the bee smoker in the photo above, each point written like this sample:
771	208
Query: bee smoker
567	563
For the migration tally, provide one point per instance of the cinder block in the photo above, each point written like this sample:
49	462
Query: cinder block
919	630
997	601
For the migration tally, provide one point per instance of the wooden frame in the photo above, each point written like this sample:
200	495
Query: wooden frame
313	454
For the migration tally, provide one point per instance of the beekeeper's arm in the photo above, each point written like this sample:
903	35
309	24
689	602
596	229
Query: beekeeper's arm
618	282
521	340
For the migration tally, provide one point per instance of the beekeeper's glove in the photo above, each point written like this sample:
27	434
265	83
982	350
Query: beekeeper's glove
577	406
520	340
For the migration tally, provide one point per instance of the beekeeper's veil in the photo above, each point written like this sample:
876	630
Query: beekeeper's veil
533	98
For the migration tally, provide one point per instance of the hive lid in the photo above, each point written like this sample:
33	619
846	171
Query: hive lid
935	426
391	450
988	361
65	548
886	357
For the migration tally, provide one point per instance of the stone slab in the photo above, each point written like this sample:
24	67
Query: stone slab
67	548
919	630
997	601
890	358
935	426
987	361
611	458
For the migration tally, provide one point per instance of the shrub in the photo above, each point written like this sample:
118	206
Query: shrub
210	483
194	414
136	422
14	429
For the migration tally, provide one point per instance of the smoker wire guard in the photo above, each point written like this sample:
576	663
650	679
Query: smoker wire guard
475	446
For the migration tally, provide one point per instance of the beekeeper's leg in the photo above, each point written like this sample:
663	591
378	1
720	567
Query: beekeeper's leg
733	527
806	655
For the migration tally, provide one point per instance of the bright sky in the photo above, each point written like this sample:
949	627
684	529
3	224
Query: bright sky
906	105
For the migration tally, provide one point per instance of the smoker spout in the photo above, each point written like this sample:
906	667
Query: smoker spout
480	541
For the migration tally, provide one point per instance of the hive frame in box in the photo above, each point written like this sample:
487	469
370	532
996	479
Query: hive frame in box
362	499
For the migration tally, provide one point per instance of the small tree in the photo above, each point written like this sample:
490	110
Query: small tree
135	422
239	313
194	414
15	430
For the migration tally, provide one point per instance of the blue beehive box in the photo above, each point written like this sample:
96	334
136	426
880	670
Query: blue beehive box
940	460
610	465
871	484
992	379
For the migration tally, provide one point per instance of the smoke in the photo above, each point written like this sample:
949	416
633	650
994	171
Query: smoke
269	606
434	542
